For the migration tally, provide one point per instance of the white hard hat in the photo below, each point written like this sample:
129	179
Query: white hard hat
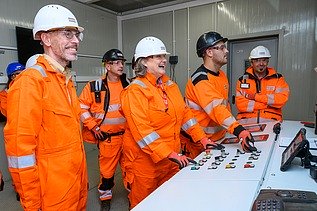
32	60
149	46
260	52
53	17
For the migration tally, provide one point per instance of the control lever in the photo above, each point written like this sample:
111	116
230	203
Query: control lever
277	130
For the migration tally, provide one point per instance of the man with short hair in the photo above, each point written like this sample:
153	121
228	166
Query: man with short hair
206	95
261	92
103	123
44	146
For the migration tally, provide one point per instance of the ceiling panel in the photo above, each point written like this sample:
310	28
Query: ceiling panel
124	6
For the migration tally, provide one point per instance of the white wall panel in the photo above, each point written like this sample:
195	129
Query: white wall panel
241	17
100	33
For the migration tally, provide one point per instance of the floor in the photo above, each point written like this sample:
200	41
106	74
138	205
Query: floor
119	201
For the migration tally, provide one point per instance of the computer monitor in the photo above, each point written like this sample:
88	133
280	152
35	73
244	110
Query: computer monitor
297	144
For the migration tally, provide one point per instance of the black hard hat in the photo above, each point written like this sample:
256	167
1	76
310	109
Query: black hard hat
207	40
112	55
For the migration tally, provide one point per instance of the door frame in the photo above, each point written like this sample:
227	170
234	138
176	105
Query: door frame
250	36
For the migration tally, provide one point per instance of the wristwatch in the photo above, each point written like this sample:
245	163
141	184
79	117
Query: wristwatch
97	128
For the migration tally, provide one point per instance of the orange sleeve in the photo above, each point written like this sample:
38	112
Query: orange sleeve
86	100
21	131
3	102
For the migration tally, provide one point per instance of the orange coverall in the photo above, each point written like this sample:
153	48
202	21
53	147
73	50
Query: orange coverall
110	150
206	94
272	93
153	133
44	147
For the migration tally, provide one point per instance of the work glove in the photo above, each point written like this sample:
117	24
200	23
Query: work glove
181	160
246	139
1	182
209	144
97	133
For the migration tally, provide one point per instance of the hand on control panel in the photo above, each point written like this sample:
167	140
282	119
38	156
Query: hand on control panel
246	138
181	160
209	144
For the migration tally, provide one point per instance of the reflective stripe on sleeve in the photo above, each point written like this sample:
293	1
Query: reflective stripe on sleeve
21	161
169	82
229	121
191	122
212	130
84	116
270	99
83	106
280	90
148	139
192	105
250	107
214	104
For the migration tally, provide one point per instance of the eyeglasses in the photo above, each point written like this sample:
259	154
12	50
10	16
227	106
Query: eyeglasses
221	47
69	34
117	62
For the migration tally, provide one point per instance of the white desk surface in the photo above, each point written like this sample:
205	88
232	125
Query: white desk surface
231	189
296	177
191	195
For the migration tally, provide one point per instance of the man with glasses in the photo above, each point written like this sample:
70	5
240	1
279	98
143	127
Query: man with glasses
207	95
102	122
261	92
43	141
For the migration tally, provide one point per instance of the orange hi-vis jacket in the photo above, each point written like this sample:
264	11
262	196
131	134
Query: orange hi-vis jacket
153	130
93	111
272	93
44	147
207	95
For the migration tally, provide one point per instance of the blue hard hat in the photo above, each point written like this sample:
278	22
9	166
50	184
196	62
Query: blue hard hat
13	67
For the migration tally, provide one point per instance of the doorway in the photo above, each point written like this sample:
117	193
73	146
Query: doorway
239	52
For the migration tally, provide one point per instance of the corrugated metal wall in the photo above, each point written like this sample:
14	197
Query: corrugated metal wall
235	18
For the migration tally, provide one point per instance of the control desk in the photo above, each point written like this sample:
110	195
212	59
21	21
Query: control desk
230	179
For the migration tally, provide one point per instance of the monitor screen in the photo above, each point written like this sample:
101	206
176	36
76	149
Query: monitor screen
293	148
26	45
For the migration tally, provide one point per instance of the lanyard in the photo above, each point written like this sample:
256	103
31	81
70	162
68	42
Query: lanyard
160	85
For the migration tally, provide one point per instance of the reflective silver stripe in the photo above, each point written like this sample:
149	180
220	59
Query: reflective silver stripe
250	107
98	115
138	82
148	139
192	105
40	69
21	161
270	88
169	82
98	84
191	122
212	130
213	104
114	107
197	75
84	116
113	121
279	90
83	106
270	99
229	121
238	94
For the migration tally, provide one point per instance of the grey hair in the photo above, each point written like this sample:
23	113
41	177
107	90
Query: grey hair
140	69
